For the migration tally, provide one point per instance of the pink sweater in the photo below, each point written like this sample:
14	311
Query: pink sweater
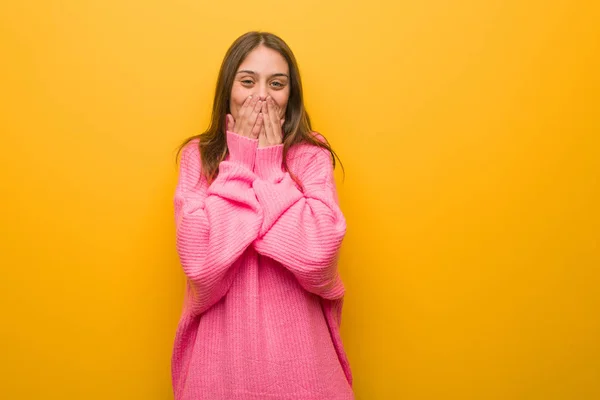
263	303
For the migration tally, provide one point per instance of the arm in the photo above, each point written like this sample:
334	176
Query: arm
215	224
302	231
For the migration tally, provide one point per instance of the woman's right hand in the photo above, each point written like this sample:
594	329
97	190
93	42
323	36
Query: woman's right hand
249	122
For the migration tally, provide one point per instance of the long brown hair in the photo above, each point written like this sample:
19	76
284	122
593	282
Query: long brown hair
296	129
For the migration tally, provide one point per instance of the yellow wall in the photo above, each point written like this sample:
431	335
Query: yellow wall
470	136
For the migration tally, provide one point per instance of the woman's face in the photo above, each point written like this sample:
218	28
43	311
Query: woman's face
263	73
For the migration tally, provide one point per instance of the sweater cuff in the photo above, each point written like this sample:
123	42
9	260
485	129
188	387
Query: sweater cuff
269	163
242	149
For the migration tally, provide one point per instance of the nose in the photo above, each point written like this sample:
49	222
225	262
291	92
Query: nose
262	92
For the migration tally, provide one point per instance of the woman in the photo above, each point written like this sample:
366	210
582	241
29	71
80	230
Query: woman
258	234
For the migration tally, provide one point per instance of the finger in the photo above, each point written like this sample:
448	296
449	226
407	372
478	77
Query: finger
262	141
282	122
248	103
258	126
230	122
274	110
268	124
251	119
274	118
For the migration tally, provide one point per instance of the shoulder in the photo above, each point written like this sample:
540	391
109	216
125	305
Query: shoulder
190	153
319	137
307	155
190	166
311	150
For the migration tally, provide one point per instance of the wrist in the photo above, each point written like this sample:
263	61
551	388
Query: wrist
269	162
242	149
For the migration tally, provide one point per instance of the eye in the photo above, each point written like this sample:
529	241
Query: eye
277	84
247	82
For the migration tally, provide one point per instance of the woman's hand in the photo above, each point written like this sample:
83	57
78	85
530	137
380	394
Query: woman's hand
270	134
250	121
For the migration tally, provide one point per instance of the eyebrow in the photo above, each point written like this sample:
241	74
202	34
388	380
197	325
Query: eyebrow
247	71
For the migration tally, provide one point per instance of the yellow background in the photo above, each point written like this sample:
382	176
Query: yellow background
470	135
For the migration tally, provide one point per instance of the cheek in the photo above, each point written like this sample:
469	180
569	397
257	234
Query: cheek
238	96
281	99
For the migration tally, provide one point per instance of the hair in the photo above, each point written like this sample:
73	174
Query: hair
296	128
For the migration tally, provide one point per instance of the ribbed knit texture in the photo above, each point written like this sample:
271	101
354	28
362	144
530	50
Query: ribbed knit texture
263	302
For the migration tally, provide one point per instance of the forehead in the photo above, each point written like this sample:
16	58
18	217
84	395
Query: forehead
264	60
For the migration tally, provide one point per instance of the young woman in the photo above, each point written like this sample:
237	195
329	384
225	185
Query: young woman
258	233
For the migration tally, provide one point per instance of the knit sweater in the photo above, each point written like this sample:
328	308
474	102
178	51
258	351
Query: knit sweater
263	301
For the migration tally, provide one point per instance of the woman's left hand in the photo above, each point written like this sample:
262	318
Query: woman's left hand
271	132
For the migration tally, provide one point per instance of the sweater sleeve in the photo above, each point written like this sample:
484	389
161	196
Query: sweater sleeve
301	230
215	224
